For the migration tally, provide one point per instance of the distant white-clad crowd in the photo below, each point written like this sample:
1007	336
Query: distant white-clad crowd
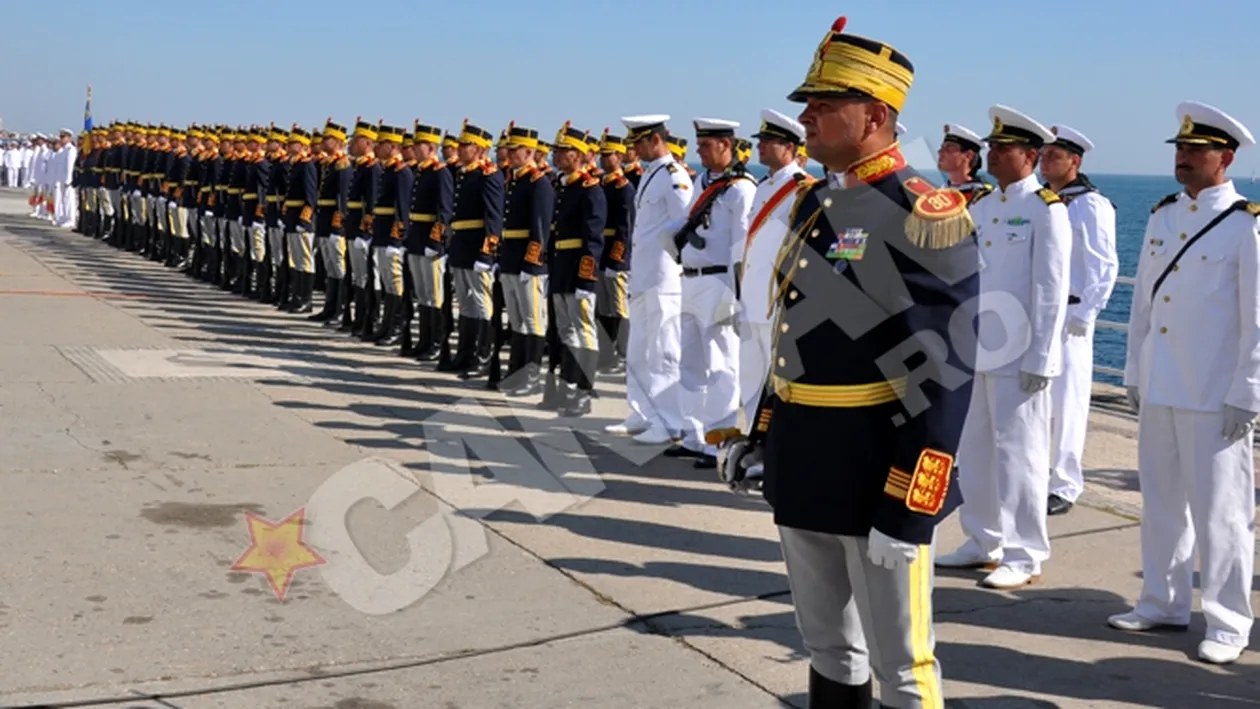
44	165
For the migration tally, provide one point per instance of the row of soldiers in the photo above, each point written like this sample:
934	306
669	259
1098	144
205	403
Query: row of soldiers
414	236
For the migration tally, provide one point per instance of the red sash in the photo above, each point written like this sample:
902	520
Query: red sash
767	209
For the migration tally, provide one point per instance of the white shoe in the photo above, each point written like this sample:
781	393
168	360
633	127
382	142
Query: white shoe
630	426
654	436
1136	623
1218	653
965	558
1007	577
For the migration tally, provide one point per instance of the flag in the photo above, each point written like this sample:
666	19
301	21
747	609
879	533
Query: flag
87	111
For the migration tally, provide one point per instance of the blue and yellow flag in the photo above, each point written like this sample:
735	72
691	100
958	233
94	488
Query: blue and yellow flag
87	111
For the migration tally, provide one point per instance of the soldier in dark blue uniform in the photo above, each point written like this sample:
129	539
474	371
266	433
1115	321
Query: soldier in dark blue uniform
614	269
111	183
476	226
84	179
363	190
529	201
299	220
330	213
389	229
578	245
220	254
869	279
176	214
211	166
235	254
432	194
257	171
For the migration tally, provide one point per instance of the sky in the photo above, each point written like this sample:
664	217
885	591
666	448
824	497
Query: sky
1113	69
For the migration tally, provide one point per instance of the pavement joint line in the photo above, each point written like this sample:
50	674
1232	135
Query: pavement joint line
317	674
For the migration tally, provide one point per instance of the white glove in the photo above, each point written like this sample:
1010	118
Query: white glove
240	221
524	277
300	229
890	553
1032	383
1238	423
1135	400
430	252
480	267
1077	327
135	193
736	458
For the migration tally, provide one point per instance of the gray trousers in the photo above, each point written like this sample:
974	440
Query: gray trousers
575	320
427	273
275	242
525	300
857	618
301	251
474	293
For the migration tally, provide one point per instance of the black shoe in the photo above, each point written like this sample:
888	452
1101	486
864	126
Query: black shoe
705	462
579	404
1058	506
828	694
678	451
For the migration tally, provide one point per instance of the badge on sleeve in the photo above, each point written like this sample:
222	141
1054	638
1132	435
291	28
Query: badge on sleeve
850	245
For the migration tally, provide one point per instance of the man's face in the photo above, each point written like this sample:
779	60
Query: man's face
610	162
773	152
835	128
468	152
449	152
1198	165
568	159
1057	162
715	153
631	155
1011	161
424	151
519	157
501	154
951	157
295	148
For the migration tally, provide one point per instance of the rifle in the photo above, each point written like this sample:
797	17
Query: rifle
700	211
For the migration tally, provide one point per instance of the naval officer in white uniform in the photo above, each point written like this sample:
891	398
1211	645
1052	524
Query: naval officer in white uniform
1193	372
654	341
777	141
709	369
1093	275
1004	457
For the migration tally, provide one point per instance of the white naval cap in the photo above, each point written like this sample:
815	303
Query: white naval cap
66	131
1202	124
1071	139
900	128
779	126
715	128
640	127
1011	126
963	136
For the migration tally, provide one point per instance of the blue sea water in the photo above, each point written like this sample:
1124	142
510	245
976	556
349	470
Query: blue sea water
1133	195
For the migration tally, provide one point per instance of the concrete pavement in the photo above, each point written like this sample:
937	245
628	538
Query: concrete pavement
493	556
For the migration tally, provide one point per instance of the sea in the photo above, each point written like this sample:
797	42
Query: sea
1133	196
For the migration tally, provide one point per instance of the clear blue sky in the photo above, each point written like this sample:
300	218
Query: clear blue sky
1113	69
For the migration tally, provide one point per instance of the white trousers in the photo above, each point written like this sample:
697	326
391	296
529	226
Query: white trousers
755	342
1069	416
709	368
652	353
66	208
1004	463
1198	493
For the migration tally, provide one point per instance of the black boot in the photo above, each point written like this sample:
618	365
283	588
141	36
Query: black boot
553	397
247	277
465	347
409	345
360	311
332	297
425	342
389	321
303	293
371	315
827	694
265	293
528	377
347	298
230	261
516	359
288	288
241	286
581	368
485	333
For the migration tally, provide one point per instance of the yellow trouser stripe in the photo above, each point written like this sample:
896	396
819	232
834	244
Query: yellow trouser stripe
839	395
924	667
621	304
487	283
439	293
587	326
538	308
396	266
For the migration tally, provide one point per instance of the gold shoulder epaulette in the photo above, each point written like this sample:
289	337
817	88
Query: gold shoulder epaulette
1253	209
343	163
1164	202
1048	195
672	167
939	217
981	193
489	168
589	180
